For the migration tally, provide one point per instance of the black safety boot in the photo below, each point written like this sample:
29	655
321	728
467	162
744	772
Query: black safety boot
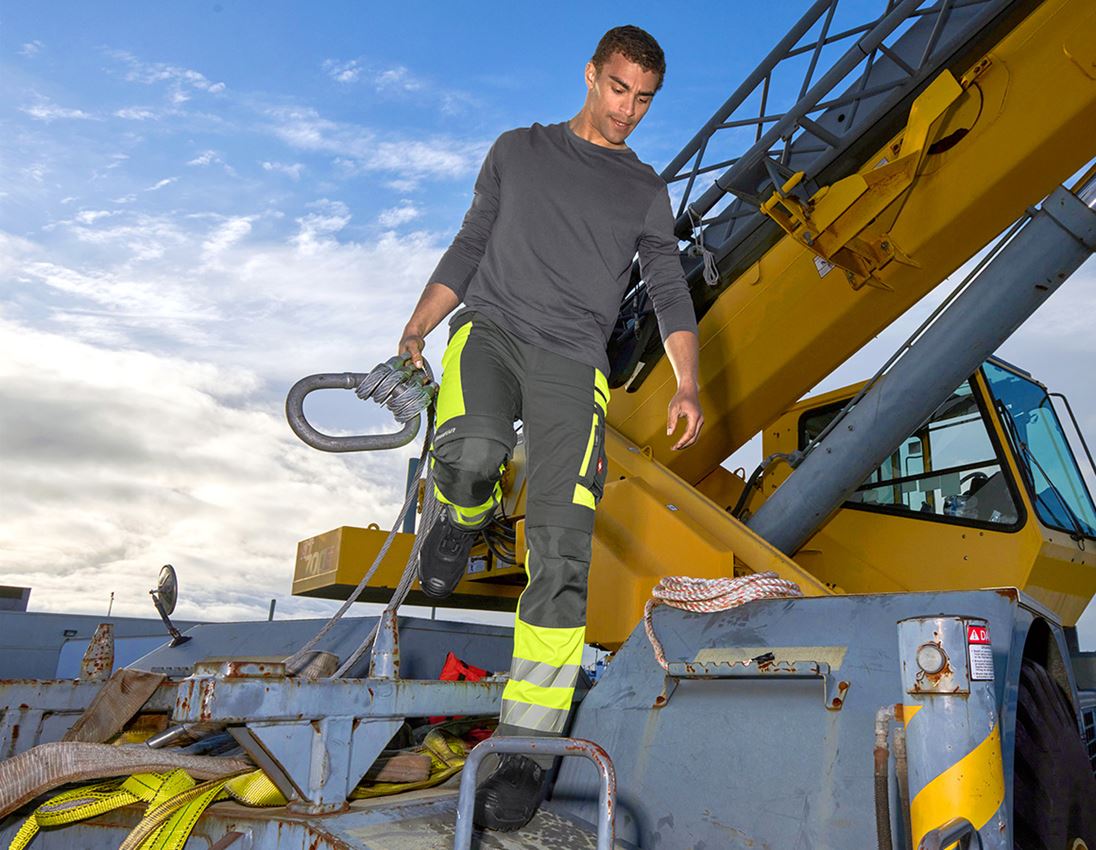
509	797
443	558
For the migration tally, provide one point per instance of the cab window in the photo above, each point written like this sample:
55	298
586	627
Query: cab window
948	469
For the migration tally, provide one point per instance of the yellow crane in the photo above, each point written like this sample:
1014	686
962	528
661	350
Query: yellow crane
977	144
941	499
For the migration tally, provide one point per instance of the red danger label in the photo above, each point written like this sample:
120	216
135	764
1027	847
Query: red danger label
977	634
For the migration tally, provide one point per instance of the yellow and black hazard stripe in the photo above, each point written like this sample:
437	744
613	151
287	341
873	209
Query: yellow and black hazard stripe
972	787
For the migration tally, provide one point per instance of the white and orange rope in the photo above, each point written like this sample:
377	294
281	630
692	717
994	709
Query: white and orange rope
704	595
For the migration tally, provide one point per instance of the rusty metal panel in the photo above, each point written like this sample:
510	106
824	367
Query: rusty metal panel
763	762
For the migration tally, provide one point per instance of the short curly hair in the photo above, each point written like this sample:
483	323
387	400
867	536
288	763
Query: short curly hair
635	45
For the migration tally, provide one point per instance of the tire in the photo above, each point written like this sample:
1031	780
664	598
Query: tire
1054	791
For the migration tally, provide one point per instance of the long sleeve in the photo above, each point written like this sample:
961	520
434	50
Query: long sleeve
460	261
660	264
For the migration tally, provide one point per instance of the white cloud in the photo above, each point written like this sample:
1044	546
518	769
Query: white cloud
227	234
44	109
133	277
320	226
343	72
149	459
180	81
359	150
36	171
92	216
135	113
397	79
292	170
211	157
31	49
396	216
160	184
206	158
171	445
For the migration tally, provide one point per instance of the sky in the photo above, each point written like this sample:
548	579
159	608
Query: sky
201	203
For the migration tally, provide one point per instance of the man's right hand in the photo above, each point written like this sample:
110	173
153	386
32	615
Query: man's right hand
412	345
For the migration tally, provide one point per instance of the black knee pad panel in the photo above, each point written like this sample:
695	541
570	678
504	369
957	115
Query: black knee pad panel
469	452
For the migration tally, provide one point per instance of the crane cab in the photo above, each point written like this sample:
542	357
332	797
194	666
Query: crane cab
987	493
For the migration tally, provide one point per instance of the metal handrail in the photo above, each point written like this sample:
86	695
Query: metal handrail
466	802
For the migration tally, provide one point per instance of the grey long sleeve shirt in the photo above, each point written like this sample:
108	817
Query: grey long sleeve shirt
546	248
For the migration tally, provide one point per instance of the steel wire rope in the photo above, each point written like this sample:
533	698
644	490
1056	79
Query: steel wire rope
431	510
389	384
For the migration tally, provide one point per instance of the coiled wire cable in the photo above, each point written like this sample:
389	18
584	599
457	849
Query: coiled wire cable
406	394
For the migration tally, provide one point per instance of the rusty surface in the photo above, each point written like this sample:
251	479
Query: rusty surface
944	681
98	661
240	668
205	708
244	699
226	840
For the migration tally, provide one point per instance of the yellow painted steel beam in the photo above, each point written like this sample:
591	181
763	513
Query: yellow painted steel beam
651	523
1020	126
331	564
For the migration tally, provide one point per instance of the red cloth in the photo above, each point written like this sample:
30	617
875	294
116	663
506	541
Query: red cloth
455	670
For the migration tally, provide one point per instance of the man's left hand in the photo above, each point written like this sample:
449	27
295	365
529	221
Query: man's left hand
685	405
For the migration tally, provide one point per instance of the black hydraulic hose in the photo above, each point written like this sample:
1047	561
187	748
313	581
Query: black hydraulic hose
882	809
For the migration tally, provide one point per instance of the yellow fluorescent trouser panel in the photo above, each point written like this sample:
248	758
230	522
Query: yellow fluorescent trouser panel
601	385
583	496
476	512
557	698
589	448
451	395
973	788
548	646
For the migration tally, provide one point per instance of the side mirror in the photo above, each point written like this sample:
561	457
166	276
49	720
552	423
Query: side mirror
164	596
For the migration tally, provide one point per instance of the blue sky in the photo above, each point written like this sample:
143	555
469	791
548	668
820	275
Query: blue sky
202	202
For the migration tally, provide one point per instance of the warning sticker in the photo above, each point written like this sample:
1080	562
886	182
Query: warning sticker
981	662
980	652
978	634
824	268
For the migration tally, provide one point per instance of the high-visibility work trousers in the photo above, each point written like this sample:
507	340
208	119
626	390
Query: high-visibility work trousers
490	379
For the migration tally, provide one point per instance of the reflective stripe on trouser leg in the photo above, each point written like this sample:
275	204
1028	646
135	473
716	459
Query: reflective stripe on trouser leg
475	516
475	435
563	411
549	633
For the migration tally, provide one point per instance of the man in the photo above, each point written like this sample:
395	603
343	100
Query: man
541	263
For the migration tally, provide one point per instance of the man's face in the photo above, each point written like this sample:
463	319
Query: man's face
617	98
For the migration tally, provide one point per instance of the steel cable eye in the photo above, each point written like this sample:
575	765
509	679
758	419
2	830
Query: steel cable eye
366	387
386	386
